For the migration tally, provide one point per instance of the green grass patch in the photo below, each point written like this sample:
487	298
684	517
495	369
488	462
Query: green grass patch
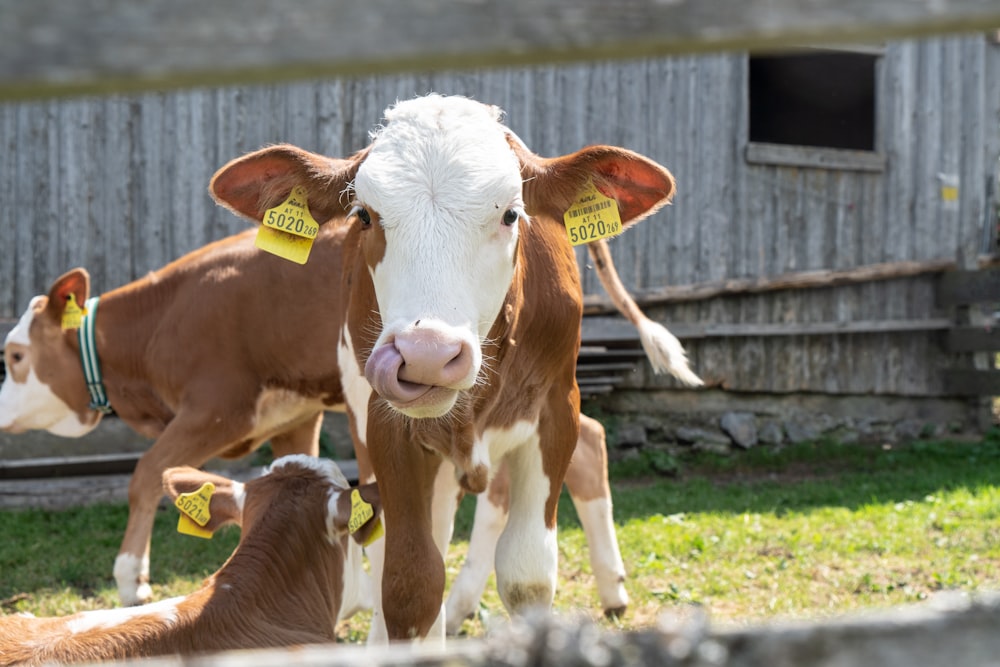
804	532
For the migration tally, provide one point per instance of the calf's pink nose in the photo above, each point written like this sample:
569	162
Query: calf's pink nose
405	368
432	357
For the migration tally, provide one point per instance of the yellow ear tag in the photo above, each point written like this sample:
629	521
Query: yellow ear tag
288	229
593	216
361	512
194	511
72	316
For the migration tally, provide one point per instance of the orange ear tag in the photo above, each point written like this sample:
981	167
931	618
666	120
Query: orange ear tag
593	216
288	229
72	316
194	511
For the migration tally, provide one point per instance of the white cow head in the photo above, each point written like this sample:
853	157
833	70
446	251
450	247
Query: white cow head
44	388
441	197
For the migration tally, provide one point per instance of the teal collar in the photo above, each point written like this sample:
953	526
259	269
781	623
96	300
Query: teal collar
88	357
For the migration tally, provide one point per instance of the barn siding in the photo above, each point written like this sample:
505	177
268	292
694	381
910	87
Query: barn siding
118	184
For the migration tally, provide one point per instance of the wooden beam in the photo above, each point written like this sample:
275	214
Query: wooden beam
76	47
612	330
966	287
969	382
973	339
814	157
68	466
594	304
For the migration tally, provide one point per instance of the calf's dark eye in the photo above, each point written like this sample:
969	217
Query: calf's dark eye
510	217
363	215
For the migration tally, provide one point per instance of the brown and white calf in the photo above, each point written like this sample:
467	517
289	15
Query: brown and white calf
209	355
282	586
462	322
586	478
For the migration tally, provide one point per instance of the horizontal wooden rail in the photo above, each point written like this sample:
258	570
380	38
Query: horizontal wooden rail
972	382
948	630
974	339
596	304
611	330
967	287
67	466
60	47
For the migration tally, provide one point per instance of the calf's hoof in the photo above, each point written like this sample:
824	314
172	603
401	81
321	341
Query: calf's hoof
614	613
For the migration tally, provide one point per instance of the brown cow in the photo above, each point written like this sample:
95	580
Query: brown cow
462	308
282	586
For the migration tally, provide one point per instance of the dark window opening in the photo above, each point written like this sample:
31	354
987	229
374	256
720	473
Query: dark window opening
822	99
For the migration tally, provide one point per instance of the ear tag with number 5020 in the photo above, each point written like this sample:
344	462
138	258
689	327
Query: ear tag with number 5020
194	511
592	216
288	229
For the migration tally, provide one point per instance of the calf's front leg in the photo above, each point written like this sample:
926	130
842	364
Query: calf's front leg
587	481
527	551
189	439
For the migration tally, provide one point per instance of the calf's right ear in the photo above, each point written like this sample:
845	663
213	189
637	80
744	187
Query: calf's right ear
225	503
258	181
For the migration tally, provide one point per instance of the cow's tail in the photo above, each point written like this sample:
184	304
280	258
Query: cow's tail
665	352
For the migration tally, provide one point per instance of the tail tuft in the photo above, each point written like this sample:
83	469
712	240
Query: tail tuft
665	352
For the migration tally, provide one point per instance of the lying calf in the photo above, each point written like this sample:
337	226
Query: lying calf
282	586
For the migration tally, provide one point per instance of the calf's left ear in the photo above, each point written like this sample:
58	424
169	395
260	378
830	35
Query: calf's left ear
224	500
358	512
75	283
639	185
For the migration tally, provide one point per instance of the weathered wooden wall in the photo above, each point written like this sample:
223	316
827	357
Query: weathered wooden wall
118	184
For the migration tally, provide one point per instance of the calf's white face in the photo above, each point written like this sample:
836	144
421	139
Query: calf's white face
439	197
28	397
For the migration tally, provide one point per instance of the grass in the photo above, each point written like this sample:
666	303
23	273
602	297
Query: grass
803	532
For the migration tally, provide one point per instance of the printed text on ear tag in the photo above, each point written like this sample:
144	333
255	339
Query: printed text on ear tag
288	229
361	512
194	511
72	316
592	216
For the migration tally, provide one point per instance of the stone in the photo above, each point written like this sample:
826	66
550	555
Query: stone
771	433
802	429
741	427
631	434
701	436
